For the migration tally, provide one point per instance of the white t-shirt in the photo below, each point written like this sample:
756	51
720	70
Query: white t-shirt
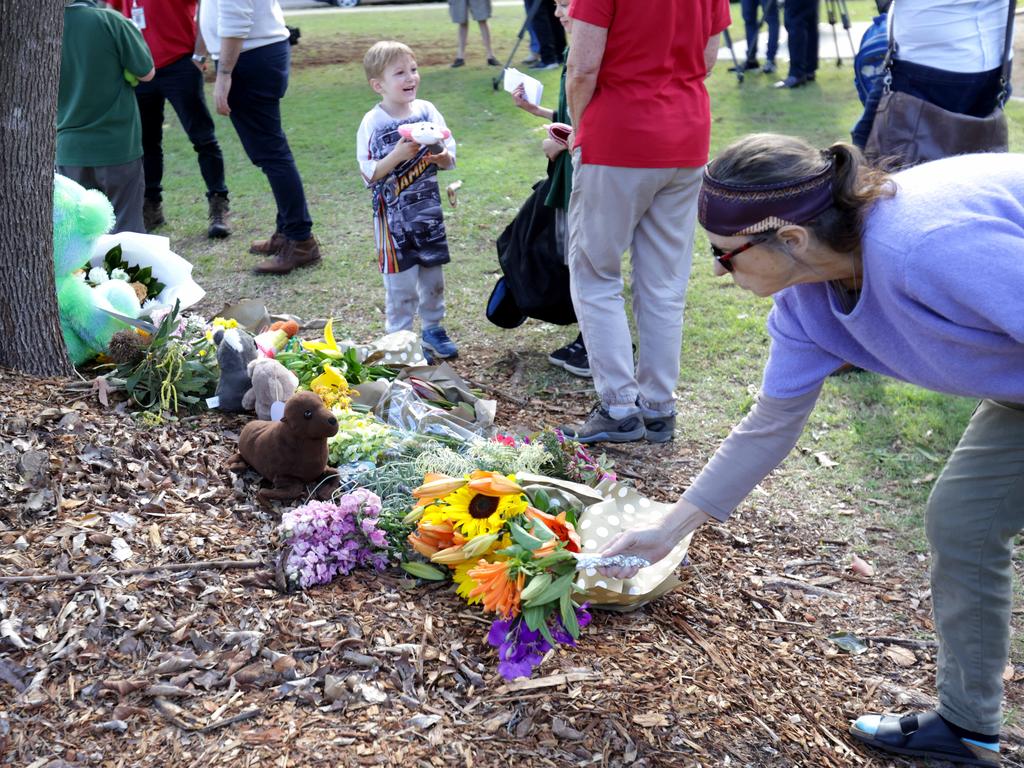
955	35
373	141
258	22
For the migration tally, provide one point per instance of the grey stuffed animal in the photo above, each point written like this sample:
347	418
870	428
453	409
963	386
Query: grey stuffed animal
235	350
271	382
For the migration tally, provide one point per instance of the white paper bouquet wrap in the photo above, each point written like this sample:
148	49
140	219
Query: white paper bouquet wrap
155	252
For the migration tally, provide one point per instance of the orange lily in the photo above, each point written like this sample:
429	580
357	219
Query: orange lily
559	526
545	549
436	486
499	592
493	484
429	538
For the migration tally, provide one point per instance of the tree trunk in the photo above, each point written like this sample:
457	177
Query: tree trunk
30	336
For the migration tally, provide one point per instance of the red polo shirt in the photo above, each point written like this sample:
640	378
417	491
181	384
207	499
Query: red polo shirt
170	30
650	108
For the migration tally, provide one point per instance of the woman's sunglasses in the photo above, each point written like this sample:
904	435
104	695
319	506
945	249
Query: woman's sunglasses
725	257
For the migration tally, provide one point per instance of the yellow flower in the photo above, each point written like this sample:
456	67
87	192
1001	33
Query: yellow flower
465	582
328	346
477	511
332	387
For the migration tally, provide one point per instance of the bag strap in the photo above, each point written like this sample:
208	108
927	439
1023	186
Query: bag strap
1004	77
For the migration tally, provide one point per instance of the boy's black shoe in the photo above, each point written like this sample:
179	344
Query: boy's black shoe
578	364
561	355
458	63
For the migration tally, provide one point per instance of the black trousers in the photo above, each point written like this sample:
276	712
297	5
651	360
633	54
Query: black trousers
549	32
180	83
801	20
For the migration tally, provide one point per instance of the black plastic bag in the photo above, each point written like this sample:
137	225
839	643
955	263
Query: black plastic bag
535	274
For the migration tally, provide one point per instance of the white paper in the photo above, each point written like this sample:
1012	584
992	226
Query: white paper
534	88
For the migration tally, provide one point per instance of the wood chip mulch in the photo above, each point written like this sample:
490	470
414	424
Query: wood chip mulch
207	663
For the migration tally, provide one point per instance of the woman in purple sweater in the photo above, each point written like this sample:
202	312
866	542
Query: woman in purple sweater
919	276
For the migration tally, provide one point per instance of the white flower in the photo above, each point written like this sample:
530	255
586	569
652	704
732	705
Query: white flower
118	274
97	276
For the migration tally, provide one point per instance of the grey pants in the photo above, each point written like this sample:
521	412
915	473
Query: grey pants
124	185
974	513
652	212
417	289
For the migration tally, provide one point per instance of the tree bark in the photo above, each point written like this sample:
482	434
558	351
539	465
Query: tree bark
30	335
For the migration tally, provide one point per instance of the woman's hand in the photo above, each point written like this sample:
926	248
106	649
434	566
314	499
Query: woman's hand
654	542
552	148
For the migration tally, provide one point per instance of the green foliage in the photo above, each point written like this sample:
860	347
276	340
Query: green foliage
136	274
178	370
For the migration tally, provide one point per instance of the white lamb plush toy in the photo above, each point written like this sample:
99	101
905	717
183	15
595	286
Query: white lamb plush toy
426	134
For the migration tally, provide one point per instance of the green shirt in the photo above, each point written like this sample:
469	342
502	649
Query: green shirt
97	117
561	168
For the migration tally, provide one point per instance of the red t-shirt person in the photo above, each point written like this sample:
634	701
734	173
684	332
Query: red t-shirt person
168	26
650	108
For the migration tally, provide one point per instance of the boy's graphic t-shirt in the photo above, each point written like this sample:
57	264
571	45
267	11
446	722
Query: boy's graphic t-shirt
408	225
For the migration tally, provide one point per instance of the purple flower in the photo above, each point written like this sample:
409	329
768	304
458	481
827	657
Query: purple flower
521	649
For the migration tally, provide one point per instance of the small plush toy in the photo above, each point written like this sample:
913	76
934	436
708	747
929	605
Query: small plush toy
235	350
426	134
80	217
290	452
271	382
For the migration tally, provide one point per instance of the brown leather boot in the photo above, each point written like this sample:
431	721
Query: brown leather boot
268	247
294	253
218	211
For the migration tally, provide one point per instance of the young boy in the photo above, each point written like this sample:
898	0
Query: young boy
407	220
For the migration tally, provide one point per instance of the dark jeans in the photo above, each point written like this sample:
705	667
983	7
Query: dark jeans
258	83
771	18
801	20
534	42
966	93
550	33
180	83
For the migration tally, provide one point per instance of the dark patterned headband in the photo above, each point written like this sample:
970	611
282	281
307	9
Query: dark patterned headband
738	209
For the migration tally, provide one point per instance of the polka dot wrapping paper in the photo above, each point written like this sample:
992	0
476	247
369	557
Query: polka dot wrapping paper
603	512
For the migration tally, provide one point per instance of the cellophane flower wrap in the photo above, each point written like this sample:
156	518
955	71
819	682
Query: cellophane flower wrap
329	539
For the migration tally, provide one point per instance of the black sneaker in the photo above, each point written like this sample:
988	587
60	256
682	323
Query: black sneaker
578	363
561	355
599	427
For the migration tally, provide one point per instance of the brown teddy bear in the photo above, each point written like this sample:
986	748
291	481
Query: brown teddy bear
290	452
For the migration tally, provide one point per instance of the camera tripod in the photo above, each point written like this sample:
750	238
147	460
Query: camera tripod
836	9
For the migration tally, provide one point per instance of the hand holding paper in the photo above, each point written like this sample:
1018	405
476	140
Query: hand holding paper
532	87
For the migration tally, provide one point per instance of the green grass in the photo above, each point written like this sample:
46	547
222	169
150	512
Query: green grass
888	438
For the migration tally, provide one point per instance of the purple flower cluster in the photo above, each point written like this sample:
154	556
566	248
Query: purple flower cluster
581	464
331	539
520	648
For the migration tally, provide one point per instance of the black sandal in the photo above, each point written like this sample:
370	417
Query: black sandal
924	735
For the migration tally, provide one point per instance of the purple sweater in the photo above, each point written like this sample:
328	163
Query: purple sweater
942	304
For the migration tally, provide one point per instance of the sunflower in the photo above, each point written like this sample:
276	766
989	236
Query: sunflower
465	582
481	506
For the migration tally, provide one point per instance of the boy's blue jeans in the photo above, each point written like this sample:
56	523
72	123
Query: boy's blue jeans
180	83
258	83
966	93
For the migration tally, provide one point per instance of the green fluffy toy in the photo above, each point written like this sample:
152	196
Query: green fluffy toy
79	217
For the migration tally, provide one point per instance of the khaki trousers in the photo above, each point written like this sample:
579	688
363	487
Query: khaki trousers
652	213
974	513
